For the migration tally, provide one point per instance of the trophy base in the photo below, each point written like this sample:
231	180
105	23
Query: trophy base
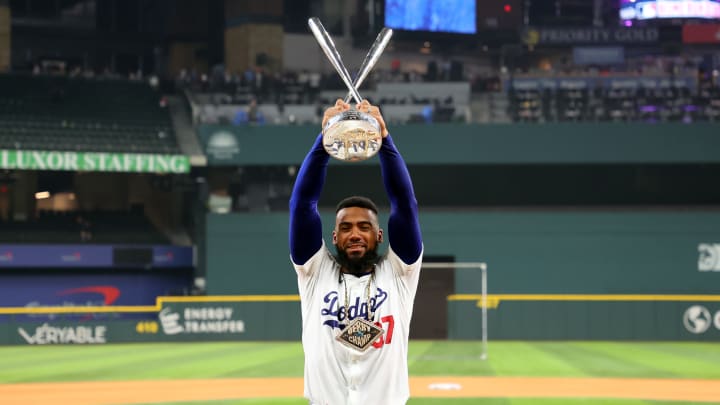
352	136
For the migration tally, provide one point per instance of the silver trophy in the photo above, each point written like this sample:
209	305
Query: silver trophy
353	135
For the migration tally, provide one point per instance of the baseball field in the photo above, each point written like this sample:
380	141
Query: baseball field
442	372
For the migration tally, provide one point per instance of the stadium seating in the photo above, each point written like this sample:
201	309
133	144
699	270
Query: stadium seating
77	114
616	103
64	227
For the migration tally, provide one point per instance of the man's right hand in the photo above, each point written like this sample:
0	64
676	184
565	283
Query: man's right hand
339	107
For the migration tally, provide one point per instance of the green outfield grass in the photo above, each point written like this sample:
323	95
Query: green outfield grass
442	358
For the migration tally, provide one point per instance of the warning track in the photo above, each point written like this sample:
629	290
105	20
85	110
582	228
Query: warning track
159	391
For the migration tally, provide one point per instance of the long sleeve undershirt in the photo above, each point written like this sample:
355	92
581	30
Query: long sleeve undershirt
305	223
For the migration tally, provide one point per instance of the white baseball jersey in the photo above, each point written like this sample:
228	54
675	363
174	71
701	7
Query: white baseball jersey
339	375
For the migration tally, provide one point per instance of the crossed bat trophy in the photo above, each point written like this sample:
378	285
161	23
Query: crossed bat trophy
352	135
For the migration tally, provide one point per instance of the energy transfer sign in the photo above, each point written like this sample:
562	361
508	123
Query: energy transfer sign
93	161
200	320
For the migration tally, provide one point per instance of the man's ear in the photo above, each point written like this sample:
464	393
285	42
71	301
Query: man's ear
380	236
334	238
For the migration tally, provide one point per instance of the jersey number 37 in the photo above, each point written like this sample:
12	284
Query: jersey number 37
389	323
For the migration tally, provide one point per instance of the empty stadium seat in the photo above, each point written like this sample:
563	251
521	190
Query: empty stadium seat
77	114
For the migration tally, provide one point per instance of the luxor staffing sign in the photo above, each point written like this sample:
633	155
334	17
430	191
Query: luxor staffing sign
93	161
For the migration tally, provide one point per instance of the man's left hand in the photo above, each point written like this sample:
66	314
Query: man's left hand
374	111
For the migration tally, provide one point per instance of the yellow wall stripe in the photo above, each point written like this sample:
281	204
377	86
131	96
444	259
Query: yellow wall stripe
584	297
493	301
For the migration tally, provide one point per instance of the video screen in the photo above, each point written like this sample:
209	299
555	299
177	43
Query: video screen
657	9
451	16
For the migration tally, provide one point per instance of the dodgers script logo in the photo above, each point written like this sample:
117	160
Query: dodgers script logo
336	309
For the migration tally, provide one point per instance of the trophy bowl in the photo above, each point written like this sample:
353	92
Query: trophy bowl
352	136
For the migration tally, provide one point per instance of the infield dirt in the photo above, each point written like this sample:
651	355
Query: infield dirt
153	391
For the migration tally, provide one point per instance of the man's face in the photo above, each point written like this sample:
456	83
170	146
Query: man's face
356	235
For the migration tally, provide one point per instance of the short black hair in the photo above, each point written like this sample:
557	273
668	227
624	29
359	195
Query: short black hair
357	201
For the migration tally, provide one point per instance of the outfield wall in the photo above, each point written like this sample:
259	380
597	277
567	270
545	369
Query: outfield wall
171	319
552	275
646	275
588	317
538	252
268	318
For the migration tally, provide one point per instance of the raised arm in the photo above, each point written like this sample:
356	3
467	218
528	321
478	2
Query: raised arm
403	224
305	224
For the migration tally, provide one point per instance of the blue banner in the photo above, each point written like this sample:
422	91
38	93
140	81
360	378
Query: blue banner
83	289
173	256
94	256
55	256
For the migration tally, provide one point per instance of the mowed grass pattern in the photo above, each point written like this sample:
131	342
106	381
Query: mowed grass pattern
567	359
154	361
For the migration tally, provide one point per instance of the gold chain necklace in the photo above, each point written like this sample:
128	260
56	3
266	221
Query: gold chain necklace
371	311
359	333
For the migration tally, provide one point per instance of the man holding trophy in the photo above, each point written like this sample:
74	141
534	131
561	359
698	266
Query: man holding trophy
356	305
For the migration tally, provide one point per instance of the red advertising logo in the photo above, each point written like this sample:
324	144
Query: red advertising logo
109	293
6	256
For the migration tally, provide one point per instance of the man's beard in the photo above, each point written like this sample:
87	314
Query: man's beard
357	266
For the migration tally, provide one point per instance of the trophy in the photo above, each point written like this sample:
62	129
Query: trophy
353	135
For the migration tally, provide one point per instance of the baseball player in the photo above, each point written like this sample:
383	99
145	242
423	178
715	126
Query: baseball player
356	305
